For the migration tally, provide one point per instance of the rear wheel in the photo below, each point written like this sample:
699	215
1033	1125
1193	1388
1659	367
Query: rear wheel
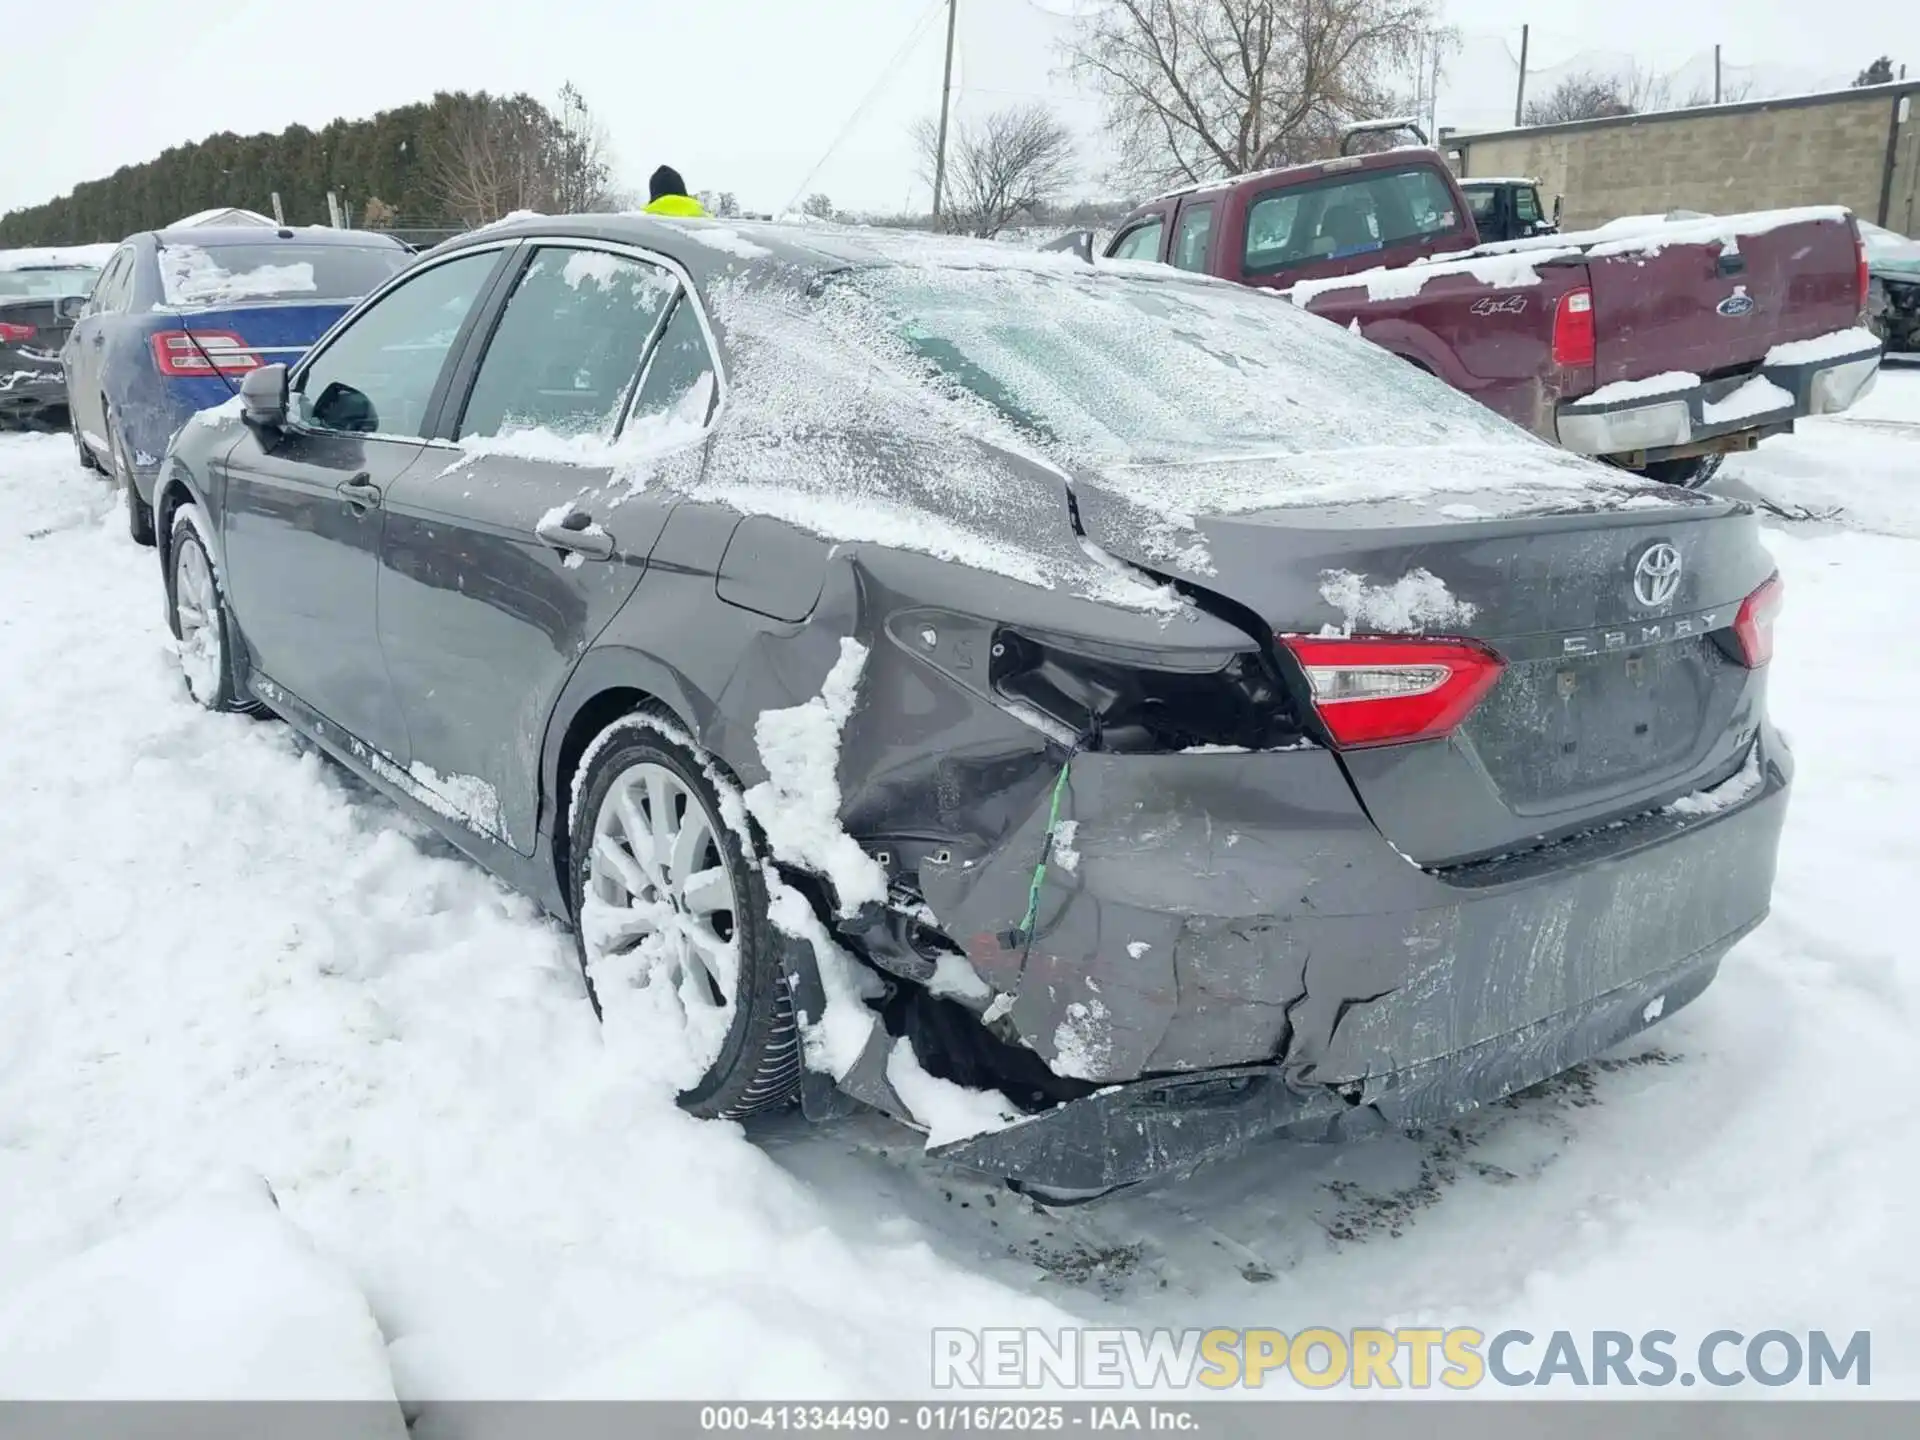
139	513
664	895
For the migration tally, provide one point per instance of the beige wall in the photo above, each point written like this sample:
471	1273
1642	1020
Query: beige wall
1903	205
1720	162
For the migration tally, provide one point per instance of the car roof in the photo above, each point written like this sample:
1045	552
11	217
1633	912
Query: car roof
709	246
217	235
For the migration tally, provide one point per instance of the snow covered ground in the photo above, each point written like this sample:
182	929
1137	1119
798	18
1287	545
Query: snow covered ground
220	955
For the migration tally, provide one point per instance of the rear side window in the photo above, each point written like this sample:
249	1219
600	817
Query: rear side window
679	385
1333	219
1140	243
194	276
378	375
114	288
567	351
1193	241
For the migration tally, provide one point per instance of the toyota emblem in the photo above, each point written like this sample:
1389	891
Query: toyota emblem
1656	575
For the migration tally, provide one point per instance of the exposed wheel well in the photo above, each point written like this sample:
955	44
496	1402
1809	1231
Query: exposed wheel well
596	715
170	499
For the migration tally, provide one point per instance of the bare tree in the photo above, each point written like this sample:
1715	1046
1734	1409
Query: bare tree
1579	96
494	159
818	206
723	203
1645	91
582	169
1008	163
1202	88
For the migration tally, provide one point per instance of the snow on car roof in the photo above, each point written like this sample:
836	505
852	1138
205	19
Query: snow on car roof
58	257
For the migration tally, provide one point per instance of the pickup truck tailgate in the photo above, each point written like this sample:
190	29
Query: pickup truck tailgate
1710	306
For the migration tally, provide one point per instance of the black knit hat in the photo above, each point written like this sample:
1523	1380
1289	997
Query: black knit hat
666	181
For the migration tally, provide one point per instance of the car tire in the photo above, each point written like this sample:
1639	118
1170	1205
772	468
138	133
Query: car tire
203	632
139	512
1690	473
88	461
642	773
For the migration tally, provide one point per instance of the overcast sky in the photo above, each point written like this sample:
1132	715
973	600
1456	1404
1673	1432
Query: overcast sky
741	95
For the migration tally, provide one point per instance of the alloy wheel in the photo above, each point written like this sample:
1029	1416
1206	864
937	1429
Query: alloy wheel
660	906
196	609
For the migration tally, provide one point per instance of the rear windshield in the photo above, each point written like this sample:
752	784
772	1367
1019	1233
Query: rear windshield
196	275
1333	219
1114	367
49	283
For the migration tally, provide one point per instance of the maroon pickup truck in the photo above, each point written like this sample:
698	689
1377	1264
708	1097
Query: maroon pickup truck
1657	344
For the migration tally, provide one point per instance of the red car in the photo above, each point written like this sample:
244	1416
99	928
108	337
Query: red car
1660	345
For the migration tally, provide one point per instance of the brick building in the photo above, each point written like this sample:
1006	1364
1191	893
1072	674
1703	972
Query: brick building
1859	148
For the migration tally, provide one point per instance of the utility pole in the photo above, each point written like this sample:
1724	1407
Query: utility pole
1716	74
946	90
1520	95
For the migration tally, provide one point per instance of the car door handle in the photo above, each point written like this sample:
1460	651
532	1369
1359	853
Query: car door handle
360	492
99	339
575	532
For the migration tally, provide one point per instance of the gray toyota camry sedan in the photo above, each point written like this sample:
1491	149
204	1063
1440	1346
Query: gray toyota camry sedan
1095	714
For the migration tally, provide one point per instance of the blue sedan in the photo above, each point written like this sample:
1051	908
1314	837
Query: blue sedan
177	317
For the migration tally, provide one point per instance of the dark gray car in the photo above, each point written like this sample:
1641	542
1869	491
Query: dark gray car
41	293
914	662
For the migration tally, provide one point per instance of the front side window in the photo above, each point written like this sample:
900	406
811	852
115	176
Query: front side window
1192	243
1333	220
378	375
1481	203
568	348
1140	243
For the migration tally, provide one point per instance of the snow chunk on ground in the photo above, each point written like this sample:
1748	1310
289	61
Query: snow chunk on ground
955	979
950	1112
218	1298
1857	341
1759	396
1416	602
191	276
1668	382
798	804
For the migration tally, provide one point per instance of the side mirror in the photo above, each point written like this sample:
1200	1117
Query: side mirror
1556	210
263	397
1077	242
69	307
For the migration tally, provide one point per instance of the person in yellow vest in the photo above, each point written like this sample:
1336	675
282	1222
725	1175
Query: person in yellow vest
667	195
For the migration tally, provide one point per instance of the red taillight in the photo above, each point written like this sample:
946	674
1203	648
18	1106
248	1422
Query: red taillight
14	334
201	352
1573	329
1753	626
1385	690
1864	274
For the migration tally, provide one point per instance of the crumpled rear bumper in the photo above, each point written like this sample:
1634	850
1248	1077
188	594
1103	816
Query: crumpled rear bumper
1654	426
30	392
1238	951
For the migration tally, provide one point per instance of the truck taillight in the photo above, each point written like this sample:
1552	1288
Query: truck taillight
1863	275
201	352
1573	329
1753	626
1389	690
13	334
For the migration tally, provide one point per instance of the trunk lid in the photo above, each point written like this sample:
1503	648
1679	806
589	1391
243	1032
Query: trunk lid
1607	705
1716	306
279	333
